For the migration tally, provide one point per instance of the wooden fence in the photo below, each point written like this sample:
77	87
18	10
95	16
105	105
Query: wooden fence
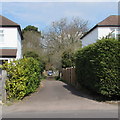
69	76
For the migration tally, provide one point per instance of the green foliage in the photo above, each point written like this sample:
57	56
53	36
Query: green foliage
23	77
97	67
35	56
31	28
68	59
32	54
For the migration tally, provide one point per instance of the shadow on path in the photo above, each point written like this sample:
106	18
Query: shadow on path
88	94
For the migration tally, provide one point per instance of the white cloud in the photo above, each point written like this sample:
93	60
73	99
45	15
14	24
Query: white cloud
42	14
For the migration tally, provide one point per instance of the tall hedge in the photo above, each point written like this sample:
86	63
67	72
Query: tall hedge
23	77
98	65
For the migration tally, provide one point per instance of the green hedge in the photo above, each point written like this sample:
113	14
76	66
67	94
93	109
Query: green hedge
98	65
23	77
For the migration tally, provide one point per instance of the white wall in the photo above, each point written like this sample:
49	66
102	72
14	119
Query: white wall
19	47
97	33
103	31
90	37
10	38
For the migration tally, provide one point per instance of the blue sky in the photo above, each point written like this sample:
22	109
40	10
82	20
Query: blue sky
41	14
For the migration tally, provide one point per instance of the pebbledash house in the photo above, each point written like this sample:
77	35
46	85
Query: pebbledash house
10	40
109	27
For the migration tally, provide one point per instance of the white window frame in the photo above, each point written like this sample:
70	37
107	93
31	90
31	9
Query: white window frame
1	35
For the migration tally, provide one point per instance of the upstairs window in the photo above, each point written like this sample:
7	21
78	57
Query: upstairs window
1	36
115	33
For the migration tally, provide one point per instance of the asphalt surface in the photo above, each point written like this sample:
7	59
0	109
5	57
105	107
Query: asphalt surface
56	99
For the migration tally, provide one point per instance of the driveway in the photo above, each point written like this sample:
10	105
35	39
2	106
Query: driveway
56	99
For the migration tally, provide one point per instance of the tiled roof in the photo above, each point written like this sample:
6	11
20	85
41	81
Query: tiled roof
6	22
8	52
111	20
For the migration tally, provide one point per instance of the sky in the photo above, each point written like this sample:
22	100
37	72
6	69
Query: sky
41	14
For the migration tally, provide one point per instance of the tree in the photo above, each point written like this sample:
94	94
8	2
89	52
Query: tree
31	54
68	59
33	41
64	35
31	28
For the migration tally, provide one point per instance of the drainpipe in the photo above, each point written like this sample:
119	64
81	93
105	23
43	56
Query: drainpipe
115	34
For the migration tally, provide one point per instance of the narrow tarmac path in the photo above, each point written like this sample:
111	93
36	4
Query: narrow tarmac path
59	100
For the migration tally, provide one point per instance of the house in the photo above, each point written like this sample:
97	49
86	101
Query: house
109	27
10	40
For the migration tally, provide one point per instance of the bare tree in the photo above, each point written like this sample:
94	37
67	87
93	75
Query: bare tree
63	35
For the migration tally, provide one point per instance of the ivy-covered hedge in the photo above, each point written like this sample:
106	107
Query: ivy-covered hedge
98	65
23	77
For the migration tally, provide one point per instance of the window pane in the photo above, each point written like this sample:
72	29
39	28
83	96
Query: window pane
1	31
1	37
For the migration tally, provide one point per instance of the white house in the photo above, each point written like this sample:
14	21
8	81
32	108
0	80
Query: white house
108	27
10	40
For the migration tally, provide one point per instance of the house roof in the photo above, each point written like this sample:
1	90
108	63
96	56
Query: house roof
8	52
111	21
5	22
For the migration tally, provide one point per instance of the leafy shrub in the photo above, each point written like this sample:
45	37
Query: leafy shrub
68	59
97	67
23	77
35	56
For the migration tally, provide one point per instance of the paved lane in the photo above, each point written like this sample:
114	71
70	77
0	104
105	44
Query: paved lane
57	99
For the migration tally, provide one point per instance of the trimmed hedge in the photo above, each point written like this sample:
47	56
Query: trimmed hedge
23	77
98	65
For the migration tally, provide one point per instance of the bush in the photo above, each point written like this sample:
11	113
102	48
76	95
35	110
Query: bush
23	77
97	67
37	57
68	59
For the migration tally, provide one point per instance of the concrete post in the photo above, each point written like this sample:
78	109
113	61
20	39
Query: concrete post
4	77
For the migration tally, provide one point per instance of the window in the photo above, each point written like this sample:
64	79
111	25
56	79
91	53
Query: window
1	36
115	33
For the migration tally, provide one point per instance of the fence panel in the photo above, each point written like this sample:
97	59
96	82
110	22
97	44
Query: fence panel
69	75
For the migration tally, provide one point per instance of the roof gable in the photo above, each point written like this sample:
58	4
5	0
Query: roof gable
111	21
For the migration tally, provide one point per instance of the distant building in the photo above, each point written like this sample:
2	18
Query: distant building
10	40
109	27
